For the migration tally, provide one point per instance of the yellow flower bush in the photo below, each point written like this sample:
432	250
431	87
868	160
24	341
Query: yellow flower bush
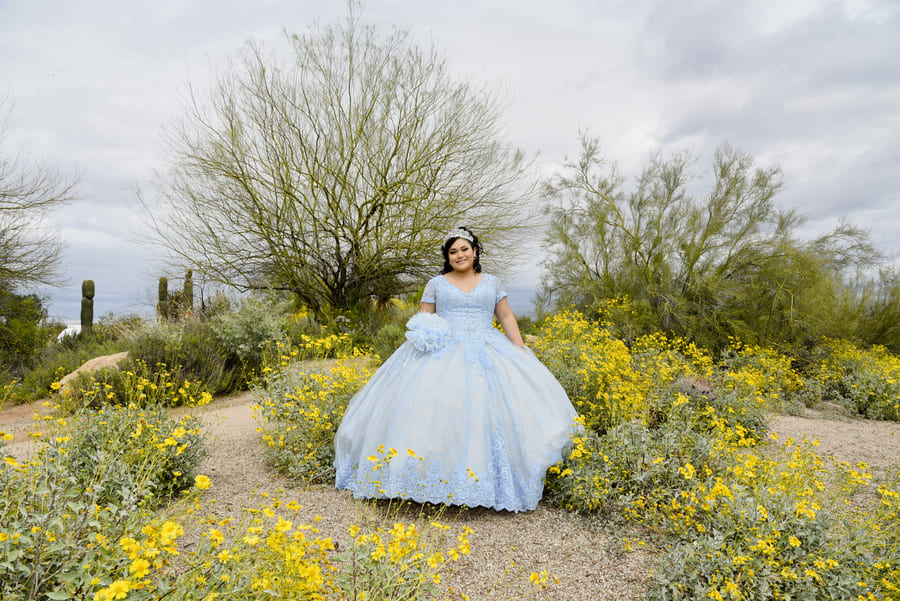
82	520
136	385
7	395
97	476
760	376
269	554
611	384
301	405
327	346
770	527
595	369
866	381
677	443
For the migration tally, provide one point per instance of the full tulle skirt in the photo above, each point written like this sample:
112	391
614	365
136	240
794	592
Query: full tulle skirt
475	424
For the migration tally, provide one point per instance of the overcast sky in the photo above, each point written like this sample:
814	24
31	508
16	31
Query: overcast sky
812	86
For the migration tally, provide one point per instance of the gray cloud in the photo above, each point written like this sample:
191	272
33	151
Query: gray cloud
811	86
815	90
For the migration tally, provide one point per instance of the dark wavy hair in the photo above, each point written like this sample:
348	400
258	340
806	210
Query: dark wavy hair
445	250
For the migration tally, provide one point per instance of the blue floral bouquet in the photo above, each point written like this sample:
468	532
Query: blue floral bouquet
428	332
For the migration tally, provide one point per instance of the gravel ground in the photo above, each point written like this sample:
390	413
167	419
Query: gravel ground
588	558
877	444
506	547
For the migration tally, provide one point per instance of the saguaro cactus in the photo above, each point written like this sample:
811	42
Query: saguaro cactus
87	307
188	293
162	305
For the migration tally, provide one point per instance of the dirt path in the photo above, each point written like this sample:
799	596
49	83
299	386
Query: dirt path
589	559
506	547
876	444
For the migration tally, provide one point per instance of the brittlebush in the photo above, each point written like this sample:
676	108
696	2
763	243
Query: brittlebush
301	404
677	444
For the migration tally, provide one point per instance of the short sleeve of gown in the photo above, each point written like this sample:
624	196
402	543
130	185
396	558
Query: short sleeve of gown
499	291
428	295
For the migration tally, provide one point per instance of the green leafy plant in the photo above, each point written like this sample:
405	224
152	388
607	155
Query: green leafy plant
97	476
247	331
302	406
192	351
388	339
132	384
23	332
865	381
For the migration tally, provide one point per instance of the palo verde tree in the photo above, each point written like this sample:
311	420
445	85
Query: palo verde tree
335	174
29	191
730	264
880	323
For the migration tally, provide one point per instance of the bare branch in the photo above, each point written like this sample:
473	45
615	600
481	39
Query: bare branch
29	190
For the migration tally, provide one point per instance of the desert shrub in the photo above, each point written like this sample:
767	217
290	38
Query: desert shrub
760	375
7	399
388	339
329	346
300	322
625	318
302	405
634	466
678	445
595	370
313	348
132	384
60	540
528	326
191	351
666	359
51	532
745	518
875	535
609	383
58	358
768	551
98	476
866	381
271	555
367	319
23	331
365	326
268	554
245	332
776	525
91	390
109	328
144	453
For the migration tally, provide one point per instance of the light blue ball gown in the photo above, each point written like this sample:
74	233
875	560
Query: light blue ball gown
458	414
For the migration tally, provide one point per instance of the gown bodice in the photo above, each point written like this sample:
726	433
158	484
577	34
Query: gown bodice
470	315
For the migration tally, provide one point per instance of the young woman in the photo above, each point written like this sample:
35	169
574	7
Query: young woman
460	413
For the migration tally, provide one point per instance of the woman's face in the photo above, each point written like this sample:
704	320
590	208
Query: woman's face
461	256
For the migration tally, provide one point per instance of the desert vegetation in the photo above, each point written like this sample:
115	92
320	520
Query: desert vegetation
674	441
678	322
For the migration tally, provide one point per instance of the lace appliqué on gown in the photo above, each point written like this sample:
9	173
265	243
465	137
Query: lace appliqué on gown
499	486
